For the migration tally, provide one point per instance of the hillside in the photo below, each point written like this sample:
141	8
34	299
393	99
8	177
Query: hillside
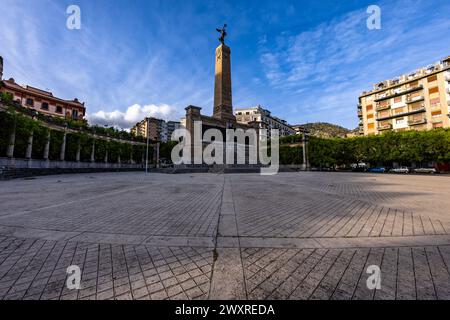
326	130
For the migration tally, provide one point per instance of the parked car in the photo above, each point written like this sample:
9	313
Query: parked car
377	170
425	170
400	170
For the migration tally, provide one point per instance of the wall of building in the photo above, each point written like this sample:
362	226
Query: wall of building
414	102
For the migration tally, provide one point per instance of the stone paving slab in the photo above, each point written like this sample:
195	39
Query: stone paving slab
202	236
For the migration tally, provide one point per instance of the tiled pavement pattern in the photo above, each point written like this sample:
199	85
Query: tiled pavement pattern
153	237
406	273
36	269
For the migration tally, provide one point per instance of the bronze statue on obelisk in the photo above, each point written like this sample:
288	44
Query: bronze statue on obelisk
223	107
223	33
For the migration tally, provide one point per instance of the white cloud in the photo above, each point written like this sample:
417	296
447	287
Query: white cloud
132	115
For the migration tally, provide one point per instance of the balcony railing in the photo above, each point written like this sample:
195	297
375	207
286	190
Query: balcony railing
410	99
402	114
435	107
360	113
397	92
383	107
417	122
384	127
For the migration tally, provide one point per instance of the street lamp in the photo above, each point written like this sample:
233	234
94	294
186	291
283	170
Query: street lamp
146	152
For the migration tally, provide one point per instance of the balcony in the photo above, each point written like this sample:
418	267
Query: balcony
417	122
360	113
381	108
402	114
410	99
397	92
384	127
435	107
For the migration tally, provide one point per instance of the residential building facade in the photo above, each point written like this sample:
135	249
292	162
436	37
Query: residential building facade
42	101
156	129
418	101
171	127
264	119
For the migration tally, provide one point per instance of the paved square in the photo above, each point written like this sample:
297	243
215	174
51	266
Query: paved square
206	236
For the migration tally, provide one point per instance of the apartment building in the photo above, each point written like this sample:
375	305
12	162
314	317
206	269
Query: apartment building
265	120
155	128
417	101
41	100
171	127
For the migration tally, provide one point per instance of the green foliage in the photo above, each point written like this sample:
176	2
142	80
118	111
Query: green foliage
291	155
401	147
24	125
165	149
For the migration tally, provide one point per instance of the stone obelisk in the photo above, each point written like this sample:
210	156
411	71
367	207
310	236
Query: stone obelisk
223	106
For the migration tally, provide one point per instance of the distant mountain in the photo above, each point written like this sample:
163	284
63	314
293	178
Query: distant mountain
326	130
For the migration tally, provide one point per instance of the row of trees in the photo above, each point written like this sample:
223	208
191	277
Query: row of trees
400	147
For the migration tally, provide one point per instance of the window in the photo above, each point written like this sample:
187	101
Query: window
399	110
435	101
433	90
436	113
371	126
59	109
383	114
369	107
29	102
400	121
432	78
370	116
438	125
44	105
247	112
397	99
75	114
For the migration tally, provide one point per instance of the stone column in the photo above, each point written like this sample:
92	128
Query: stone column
47	147
62	152
93	151
11	143
78	154
29	150
223	105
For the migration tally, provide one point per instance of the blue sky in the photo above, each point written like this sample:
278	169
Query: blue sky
306	61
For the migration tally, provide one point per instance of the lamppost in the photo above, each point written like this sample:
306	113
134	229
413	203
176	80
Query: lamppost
146	152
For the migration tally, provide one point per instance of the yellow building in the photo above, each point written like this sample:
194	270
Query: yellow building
418	101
